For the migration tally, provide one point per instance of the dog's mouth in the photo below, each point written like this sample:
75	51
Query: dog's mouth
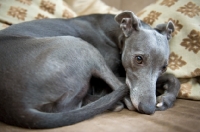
143	100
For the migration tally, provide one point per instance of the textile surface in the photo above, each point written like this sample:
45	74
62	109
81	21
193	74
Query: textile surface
183	117
16	11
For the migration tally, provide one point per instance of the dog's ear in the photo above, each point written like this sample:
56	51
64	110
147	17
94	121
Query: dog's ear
128	22
166	29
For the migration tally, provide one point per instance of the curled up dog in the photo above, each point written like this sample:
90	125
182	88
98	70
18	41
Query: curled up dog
46	73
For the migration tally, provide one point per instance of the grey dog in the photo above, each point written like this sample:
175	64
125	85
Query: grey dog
46	74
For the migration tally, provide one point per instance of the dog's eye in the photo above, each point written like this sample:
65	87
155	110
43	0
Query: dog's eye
139	59
164	68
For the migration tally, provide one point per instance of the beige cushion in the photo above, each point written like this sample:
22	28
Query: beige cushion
16	11
184	59
84	7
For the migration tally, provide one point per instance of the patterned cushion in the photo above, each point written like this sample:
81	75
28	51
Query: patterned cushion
16	11
184	59
84	7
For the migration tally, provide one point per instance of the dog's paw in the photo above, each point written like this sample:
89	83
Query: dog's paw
165	101
168	87
128	103
118	107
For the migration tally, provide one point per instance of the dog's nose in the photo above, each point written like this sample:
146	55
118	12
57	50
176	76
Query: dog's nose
146	108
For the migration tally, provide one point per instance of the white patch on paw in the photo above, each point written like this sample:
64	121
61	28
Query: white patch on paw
165	86
118	108
159	104
128	103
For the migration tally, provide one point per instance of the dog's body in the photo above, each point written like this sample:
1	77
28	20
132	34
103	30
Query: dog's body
47	80
99	30
134	45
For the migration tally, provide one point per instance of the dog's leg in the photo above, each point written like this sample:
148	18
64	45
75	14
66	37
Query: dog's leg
89	98
170	86
62	104
119	106
106	74
127	99
97	92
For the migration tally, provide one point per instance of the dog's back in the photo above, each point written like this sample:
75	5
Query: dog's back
99	30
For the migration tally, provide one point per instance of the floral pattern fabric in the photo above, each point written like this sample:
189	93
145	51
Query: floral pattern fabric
16	11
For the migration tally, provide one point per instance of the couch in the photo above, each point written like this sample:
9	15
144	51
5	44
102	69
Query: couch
184	116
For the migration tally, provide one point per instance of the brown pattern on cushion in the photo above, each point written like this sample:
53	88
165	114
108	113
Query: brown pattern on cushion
47	6
40	16
152	16
66	14
190	86
18	12
185	90
190	9
168	2
192	43
28	2
196	72
175	61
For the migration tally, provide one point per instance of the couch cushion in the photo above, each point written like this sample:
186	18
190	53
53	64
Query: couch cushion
85	7
16	11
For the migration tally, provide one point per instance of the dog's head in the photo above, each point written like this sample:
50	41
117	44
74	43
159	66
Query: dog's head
145	53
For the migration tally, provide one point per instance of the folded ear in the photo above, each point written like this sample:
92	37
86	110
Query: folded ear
166	29
128	22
